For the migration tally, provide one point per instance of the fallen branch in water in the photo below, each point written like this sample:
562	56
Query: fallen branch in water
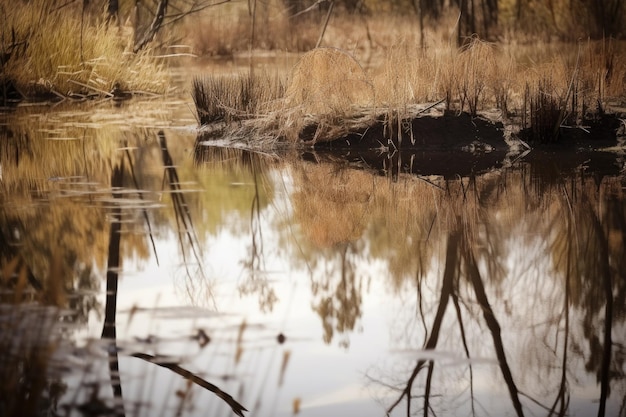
234	405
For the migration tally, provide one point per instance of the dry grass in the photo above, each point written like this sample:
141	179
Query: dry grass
574	88
328	80
326	83
55	50
330	94
229	98
228	29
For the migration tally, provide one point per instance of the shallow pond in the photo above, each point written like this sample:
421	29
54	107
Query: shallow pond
145	275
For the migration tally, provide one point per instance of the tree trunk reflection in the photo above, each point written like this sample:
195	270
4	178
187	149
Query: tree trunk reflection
452	258
584	238
492	324
110	309
605	276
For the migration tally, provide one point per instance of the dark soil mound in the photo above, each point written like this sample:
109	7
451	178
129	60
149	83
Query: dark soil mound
434	133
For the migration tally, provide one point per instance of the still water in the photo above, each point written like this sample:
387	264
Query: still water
144	274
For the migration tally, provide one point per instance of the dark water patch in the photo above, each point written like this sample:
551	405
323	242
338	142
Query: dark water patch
447	164
552	166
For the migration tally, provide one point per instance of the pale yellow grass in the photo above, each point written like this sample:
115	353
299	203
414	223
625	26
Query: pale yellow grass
68	57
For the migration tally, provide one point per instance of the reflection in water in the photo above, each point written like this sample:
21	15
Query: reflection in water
501	291
488	222
109	328
585	266
53	243
246	175
187	238
337	296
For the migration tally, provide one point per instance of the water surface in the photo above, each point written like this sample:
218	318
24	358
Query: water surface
137	264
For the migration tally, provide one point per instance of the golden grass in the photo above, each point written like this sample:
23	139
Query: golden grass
228	98
330	94
54	50
328	80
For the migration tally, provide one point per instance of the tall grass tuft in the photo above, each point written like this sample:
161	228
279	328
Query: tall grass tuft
476	66
544	109
326	86
572	91
229	98
49	49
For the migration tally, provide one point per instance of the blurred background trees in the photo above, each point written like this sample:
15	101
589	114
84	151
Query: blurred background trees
491	18
223	27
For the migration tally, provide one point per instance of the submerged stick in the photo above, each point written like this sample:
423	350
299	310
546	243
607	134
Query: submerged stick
234	405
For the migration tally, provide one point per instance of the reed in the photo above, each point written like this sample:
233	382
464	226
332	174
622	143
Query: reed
544	108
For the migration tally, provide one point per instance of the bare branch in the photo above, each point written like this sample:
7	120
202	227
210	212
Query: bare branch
227	398
154	27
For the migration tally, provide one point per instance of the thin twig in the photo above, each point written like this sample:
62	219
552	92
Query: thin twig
330	10
431	106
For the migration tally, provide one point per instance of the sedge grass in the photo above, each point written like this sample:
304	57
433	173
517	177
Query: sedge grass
52	50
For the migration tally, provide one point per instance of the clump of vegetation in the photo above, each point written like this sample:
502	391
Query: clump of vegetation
544	112
410	55
574	90
330	94
228	98
49	50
